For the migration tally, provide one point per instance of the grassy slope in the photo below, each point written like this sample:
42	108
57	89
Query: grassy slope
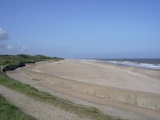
80	110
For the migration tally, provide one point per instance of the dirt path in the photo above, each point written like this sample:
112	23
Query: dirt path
37	109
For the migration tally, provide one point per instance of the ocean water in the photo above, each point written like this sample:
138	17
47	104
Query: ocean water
153	64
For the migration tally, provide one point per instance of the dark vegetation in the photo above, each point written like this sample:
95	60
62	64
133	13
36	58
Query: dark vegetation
11	62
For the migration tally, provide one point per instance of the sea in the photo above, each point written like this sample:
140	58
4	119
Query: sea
153	64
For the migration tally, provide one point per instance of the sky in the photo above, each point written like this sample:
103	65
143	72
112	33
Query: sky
81	28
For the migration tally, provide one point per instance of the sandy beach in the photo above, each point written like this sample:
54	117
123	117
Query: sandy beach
64	78
103	74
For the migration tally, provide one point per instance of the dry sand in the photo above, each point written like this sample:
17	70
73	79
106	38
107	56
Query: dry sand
104	74
96	73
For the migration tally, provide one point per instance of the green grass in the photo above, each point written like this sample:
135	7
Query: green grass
80	110
10	112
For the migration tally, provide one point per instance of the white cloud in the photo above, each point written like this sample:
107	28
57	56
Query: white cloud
3	35
16	48
7	48
22	48
12	49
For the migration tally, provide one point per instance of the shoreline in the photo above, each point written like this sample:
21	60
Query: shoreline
130	63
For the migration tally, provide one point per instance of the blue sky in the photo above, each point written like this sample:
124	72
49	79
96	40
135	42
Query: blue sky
81	28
